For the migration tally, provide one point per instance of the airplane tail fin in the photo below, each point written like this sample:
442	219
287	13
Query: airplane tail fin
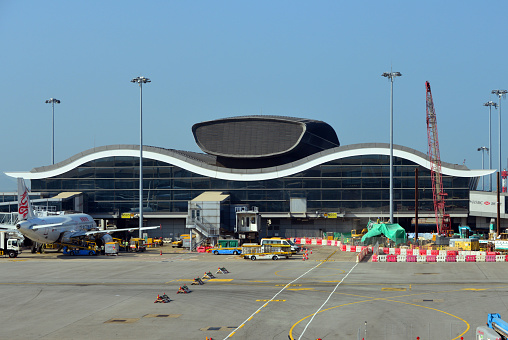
25	210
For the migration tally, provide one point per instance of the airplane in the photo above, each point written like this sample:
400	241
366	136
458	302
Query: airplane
61	229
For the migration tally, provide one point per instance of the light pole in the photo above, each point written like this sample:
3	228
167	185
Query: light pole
482	149
499	93
391	76
140	80
490	104
53	101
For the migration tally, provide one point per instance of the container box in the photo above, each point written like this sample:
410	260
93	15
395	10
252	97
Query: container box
111	248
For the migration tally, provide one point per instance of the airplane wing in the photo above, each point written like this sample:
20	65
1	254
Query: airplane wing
8	227
83	233
79	233
35	227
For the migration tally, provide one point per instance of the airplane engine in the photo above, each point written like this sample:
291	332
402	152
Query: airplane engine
106	238
66	238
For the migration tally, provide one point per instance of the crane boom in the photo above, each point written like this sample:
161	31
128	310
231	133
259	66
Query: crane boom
443	223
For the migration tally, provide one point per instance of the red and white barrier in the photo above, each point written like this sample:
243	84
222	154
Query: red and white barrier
363	252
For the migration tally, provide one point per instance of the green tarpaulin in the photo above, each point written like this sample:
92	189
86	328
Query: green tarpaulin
392	231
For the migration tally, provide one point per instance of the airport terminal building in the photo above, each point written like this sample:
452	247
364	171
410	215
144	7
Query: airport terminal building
292	172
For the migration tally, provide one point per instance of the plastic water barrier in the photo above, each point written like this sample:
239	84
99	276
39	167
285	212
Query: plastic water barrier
409	255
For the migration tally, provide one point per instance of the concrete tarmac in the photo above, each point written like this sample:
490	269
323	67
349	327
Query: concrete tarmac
52	296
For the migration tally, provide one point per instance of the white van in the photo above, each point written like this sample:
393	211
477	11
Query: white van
277	240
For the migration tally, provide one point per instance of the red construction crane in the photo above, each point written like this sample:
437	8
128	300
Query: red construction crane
443	223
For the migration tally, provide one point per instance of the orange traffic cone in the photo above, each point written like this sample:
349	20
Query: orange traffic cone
311	251
161	251
303	257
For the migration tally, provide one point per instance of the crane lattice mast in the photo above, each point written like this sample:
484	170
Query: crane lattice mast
443	223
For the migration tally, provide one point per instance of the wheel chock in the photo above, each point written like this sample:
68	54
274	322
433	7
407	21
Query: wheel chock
222	270
183	290
162	299
197	281
208	275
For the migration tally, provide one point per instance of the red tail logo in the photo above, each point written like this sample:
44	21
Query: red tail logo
23	205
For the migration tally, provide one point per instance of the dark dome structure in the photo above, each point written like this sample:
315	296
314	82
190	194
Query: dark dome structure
263	140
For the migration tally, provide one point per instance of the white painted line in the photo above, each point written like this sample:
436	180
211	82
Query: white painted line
324	303
280	291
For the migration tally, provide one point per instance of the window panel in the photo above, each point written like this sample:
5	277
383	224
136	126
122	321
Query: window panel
351	194
331	183
331	195
105	173
126	184
126	173
371	194
351	182
371	183
105	162
312	183
86	172
125	161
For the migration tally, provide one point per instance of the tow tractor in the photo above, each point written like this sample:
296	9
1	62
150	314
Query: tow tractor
496	329
88	248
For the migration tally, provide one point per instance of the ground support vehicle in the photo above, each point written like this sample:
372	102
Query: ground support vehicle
111	248
137	244
78	251
9	246
496	329
226	247
295	249
183	242
265	252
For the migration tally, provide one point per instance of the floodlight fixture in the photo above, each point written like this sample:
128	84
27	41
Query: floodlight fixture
499	93
490	104
391	76
140	80
53	101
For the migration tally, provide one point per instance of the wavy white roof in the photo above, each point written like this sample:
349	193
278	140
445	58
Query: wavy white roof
192	164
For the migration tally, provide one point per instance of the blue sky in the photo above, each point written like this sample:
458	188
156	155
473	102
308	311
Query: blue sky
213	59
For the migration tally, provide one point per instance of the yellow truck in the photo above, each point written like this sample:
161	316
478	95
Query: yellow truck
179	243
137	244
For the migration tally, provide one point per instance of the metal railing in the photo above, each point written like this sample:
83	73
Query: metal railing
9	218
204	227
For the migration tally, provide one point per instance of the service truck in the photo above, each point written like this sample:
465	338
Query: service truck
226	247
9	246
295	249
254	251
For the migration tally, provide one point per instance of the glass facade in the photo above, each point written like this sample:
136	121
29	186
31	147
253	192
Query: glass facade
358	184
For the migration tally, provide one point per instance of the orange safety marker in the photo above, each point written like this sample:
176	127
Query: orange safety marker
161	251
